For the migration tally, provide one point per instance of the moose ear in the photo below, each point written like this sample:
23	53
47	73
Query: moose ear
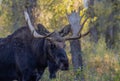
42	29
65	30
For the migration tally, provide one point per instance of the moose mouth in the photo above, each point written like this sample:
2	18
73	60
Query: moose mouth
64	66
64	69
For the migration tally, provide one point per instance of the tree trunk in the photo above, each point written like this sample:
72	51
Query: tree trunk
110	37
74	20
15	17
76	54
94	31
110	32
90	8
94	34
77	58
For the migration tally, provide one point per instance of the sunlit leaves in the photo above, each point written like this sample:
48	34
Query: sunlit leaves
100	8
53	12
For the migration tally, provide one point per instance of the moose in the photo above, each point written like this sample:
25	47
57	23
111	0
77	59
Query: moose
52	66
26	52
22	53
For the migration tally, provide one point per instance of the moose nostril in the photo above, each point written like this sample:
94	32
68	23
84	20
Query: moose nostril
64	60
64	66
52	76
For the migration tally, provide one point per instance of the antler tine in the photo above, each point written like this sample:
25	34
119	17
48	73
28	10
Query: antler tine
74	19
83	24
72	38
78	37
31	27
27	18
85	33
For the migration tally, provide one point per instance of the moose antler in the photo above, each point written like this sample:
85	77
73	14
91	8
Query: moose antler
74	19
31	27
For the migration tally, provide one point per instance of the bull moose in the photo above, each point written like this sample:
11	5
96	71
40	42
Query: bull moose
53	68
25	51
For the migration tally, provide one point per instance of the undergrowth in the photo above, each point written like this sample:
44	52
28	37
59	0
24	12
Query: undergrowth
100	64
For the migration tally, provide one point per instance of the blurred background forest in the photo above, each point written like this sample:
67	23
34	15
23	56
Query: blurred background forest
100	49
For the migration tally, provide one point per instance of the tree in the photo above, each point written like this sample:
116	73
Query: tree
104	20
75	45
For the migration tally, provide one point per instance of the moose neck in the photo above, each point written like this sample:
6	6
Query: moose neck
38	45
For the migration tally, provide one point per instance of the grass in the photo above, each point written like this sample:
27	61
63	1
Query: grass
100	64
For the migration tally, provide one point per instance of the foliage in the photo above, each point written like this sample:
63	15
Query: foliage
100	63
52	13
5	17
11	16
107	14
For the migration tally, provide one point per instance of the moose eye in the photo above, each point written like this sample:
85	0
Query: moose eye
53	46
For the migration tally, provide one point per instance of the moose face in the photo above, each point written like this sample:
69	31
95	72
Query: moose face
57	54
